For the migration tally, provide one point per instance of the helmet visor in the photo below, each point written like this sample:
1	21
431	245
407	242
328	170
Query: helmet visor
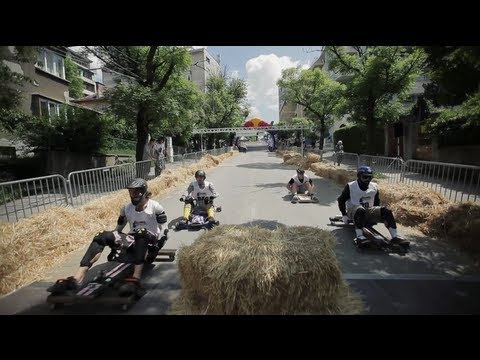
135	192
366	177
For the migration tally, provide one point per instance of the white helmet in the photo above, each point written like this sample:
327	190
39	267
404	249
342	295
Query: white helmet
340	142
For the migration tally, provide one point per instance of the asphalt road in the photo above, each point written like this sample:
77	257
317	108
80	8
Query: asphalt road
433	278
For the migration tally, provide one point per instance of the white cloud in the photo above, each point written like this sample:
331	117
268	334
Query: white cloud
305	66
263	72
235	74
254	112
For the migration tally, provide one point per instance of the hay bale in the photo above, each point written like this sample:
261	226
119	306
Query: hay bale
414	195
250	270
318	169
32	246
340	176
287	156
412	205
210	158
458	223
311	159
296	160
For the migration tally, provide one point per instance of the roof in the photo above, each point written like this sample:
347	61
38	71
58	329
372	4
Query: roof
89	98
85	107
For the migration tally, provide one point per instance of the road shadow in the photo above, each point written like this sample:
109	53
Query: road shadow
425	256
325	190
419	296
263	166
256	147
272	185
265	224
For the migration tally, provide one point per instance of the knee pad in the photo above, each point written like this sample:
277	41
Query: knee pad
143	234
139	233
387	217
105	238
360	218
385	212
140	250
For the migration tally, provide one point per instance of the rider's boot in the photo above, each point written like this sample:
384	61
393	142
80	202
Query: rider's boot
212	220
398	240
361	241
63	285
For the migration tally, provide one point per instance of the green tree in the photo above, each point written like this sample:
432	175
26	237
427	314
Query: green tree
179	107
453	95
454	72
147	99
459	125
321	96
72	73
10	84
299	121
224	104
379	79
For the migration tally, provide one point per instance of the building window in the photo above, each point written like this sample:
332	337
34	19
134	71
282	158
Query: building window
208	59
89	87
86	74
51	62
49	108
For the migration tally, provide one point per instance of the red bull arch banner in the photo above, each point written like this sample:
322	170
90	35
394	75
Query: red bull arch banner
255	122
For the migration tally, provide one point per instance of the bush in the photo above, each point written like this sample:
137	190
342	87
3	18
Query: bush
460	137
354	138
75	130
23	168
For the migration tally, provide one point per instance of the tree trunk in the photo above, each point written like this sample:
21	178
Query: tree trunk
323	128
210	142
371	127
142	137
370	132
142	134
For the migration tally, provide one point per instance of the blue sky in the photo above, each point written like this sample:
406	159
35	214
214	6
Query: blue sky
260	67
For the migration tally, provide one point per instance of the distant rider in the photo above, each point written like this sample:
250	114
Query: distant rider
300	183
200	188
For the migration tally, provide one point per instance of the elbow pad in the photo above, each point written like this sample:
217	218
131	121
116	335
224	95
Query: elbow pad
162	218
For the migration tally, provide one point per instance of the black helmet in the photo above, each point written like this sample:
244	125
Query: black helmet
200	173
364	170
140	184
300	171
